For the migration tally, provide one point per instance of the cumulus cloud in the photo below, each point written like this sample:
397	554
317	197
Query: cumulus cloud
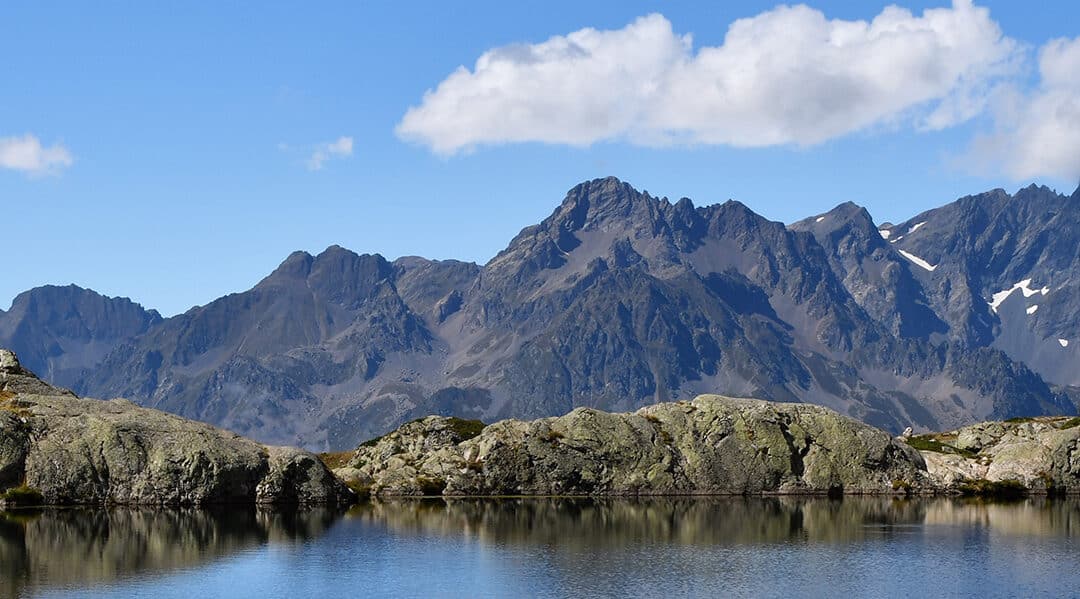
26	154
340	148
785	76
1038	131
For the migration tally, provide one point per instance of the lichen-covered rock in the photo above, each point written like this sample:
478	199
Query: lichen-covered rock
1042	454
711	445
87	451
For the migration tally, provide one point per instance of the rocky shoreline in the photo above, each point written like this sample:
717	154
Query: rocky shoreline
713	445
59	449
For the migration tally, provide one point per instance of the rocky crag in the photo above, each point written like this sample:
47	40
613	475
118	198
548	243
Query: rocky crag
57	448
712	445
1024	454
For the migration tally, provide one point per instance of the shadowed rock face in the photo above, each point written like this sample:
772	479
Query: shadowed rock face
711	445
615	301
86	451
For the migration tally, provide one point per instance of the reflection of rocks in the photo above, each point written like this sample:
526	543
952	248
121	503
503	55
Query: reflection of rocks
80	451
1034	517
621	522
83	547
712	445
616	523
1041	453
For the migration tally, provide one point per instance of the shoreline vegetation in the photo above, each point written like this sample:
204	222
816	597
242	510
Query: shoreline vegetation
58	449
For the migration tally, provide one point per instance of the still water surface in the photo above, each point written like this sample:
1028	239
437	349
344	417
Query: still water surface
538	548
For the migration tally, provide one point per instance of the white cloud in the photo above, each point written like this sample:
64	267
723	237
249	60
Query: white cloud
785	76
340	148
1038	132
26	154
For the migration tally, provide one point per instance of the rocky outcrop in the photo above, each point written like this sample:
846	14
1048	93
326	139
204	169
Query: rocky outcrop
86	451
1037	454
712	445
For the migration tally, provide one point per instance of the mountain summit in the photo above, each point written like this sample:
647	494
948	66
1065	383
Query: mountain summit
616	300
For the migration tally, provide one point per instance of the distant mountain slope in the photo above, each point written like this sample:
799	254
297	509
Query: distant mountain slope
1007	274
60	331
620	299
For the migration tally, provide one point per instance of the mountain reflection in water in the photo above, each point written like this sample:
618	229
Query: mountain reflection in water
742	546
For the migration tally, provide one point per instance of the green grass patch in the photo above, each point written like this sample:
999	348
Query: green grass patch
22	496
1070	423
465	429
373	442
1020	419
336	459
931	443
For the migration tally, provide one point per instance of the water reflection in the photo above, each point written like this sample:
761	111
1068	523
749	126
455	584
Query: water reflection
83	547
559	547
711	521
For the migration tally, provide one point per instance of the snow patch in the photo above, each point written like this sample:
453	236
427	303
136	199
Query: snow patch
897	239
1064	342
819	219
1024	287
918	261
885	233
916	227
1033	309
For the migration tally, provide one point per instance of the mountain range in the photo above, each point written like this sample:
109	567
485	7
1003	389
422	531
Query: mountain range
966	312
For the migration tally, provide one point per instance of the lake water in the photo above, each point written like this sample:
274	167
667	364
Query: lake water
739	547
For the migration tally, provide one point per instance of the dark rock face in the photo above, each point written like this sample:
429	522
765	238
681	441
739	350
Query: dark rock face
87	451
620	299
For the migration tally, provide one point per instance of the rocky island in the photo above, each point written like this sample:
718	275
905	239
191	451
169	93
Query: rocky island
56	448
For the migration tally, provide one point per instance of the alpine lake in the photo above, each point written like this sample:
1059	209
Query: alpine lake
716	547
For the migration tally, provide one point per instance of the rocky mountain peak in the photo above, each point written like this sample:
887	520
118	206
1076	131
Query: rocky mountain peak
296	266
847	217
601	202
56	302
335	271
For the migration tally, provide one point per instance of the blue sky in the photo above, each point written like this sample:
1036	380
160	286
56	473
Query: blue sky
169	155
